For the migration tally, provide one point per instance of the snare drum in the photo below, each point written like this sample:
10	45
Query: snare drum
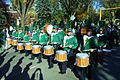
36	49
14	42
8	41
82	59
48	50
20	46
107	52
61	56
28	46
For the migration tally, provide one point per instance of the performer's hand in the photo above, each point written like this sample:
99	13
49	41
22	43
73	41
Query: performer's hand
70	46
55	42
91	50
79	49
61	46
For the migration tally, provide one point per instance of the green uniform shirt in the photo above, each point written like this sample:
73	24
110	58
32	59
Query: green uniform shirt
38	32
61	35
90	42
70	41
35	37
55	38
21	35
15	34
43	38
26	38
101	40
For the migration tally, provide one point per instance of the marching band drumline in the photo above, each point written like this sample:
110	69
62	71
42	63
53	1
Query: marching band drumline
60	47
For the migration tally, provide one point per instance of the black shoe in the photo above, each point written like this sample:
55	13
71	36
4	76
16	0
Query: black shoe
16	51
39	61
32	58
50	67
62	72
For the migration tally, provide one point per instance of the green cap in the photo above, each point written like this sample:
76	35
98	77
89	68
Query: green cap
55	27
70	29
41	28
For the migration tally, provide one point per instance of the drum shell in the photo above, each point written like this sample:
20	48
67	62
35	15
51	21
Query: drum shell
20	47
36	50
8	41
61	56
82	62
48	50
28	47
14	42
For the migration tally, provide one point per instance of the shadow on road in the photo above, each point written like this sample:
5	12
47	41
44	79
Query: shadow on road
37	75
25	75
16	71
111	68
2	58
5	68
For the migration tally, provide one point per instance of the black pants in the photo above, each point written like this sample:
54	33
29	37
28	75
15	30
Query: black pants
71	59
50	60
94	59
83	73
15	47
39	57
27	52
62	67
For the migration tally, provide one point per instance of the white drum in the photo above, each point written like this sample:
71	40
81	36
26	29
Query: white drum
28	46
48	50
8	41
36	49
82	59
20	46
61	56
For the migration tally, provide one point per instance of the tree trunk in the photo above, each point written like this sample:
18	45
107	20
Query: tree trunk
23	23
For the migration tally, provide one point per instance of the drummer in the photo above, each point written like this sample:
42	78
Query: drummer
90	45
20	35
26	39
61	34
15	36
55	41
35	37
55	38
43	40
101	44
69	44
35	40
43	37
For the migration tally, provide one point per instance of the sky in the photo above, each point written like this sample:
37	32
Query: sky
7	1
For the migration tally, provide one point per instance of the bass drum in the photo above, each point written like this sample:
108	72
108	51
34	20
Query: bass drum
48	28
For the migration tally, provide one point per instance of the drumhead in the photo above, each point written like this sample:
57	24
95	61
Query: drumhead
107	50
48	47
99	50
8	39
20	44
27	43
61	52
82	55
36	46
14	40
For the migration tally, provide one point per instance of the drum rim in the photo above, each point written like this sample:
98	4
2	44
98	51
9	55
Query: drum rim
82	55
61	52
